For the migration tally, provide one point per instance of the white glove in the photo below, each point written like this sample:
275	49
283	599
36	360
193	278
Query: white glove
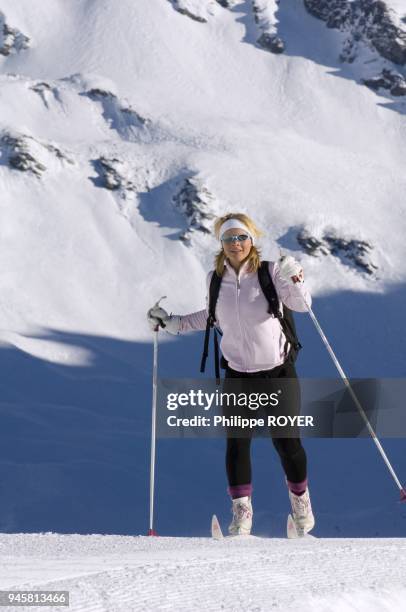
290	269
158	317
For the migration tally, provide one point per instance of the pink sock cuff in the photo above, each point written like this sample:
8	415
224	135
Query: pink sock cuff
298	488
236	491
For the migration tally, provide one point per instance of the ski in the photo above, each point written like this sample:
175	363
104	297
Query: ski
293	533
216	532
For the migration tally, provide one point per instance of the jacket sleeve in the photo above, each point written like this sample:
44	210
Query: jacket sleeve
291	294
196	321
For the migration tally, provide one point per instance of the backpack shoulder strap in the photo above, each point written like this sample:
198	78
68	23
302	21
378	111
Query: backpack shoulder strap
286	319
214	289
268	289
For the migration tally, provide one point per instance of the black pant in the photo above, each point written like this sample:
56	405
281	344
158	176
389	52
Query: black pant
290	450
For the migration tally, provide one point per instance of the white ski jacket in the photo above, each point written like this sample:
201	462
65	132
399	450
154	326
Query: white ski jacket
252	339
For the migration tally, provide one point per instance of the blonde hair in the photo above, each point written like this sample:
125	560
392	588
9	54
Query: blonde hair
254	256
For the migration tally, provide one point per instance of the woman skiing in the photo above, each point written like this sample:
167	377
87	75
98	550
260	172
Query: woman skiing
254	347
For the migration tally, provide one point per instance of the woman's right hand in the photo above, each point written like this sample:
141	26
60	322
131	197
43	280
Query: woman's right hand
158	317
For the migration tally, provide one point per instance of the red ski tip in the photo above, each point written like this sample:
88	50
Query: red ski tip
152	532
402	495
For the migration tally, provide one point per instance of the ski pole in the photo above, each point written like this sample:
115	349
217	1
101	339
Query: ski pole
357	403
151	531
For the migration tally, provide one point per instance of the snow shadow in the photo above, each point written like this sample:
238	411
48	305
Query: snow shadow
75	439
157	206
247	19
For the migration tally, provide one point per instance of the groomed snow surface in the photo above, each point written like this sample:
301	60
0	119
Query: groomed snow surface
121	574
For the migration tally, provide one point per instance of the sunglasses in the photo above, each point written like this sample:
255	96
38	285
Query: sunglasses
230	239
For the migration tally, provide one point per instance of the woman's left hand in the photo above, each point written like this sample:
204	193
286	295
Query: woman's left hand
290	269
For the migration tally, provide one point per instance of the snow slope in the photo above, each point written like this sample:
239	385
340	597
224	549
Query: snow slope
111	573
292	138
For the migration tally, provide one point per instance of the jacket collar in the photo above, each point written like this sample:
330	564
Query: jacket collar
242	270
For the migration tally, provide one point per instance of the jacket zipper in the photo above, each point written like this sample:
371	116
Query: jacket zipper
238	315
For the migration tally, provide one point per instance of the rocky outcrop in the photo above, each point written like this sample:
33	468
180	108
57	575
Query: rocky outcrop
119	115
41	87
116	110
120	176
265	17
350	251
181	7
195	202
369	21
185	11
271	43
112	174
46	92
389	80
24	153
109	99
19	156
11	39
228	3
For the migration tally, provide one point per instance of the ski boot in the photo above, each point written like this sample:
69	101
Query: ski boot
242	516
302	512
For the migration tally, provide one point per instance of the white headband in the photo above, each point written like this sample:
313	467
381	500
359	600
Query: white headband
234	224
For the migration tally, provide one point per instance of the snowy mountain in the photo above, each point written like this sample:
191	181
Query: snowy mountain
125	128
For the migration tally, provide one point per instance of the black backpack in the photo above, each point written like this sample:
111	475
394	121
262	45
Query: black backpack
286	319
